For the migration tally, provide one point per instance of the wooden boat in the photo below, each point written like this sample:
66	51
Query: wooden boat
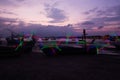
16	47
116	44
69	49
9	50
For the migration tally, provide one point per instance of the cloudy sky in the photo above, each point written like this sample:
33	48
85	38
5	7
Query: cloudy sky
59	17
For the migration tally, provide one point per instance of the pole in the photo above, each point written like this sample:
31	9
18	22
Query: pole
84	38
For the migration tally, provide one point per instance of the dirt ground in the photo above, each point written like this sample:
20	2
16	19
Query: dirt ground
36	66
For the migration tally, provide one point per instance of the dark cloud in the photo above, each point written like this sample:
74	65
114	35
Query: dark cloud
86	13
109	12
90	11
56	14
101	13
111	19
20	0
103	17
11	3
47	31
40	30
105	20
114	9
87	23
6	23
100	27
7	3
4	11
11	20
118	27
113	14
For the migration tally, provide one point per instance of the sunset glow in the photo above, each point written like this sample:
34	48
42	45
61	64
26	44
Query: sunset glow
79	14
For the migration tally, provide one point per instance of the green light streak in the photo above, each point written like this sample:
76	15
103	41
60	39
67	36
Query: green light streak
20	45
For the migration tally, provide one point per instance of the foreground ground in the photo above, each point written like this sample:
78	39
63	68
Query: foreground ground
36	66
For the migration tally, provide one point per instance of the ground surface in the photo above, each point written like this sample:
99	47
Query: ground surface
36	66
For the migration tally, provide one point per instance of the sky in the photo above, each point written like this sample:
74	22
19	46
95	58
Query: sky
60	17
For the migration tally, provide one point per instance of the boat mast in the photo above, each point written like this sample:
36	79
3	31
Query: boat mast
84	38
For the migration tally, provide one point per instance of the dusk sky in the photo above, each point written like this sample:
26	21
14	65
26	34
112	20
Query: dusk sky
58	17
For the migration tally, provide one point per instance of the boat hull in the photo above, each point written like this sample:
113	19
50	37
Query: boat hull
70	50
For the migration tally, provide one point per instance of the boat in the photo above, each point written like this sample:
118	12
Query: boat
116	44
9	51
69	48
16	45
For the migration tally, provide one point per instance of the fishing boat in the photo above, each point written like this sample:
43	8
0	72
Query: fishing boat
16	45
116	44
68	47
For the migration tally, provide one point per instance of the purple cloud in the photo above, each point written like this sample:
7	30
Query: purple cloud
88	23
110	15
4	11
7	3
100	27
56	14
118	27
40	30
90	11
2	20
20	0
